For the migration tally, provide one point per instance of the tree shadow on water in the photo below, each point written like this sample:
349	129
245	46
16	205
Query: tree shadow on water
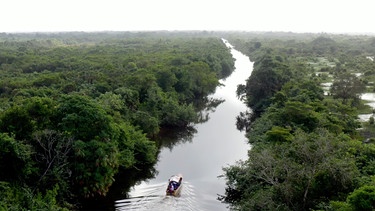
170	137
207	106
120	189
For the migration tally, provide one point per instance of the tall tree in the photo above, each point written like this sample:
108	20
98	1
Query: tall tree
347	86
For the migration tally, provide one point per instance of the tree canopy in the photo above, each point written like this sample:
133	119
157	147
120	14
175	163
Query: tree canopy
307	146
79	109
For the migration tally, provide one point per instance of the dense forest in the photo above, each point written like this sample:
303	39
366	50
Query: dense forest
308	151
80	110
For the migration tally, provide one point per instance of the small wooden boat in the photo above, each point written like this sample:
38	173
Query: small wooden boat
174	185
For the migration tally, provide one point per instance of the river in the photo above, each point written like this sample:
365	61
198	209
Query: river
370	98
215	144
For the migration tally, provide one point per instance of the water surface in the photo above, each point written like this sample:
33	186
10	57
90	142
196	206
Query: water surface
217	143
370	98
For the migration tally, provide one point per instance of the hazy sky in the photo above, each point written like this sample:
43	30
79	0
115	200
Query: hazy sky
249	15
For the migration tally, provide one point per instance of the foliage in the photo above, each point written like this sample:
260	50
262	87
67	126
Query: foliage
267	78
19	198
293	175
363	198
79	109
16	164
347	86
306	152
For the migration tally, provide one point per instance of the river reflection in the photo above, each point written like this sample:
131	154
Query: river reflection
199	154
171	138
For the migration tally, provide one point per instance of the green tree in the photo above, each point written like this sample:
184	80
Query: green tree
347	86
15	159
203	79
52	151
94	166
95	154
83	118
27	116
175	114
135	149
13	197
146	122
166	79
267	78
299	115
363	198
294	175
278	134
17	121
76	109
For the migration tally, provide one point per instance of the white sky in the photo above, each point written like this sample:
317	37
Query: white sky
248	15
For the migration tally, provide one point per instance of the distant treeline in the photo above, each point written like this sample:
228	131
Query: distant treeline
77	109
308	151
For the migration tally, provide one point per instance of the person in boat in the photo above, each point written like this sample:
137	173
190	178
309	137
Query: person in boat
174	183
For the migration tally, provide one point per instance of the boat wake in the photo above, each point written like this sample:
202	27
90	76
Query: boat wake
153	197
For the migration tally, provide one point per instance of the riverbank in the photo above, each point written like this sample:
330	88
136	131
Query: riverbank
215	144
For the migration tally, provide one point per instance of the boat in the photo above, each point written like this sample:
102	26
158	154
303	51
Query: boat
174	185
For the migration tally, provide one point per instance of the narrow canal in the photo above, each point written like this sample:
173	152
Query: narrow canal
215	144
